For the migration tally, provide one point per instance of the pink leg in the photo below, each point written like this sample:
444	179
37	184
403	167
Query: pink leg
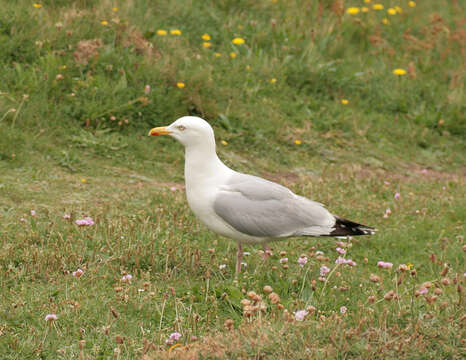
239	259
267	251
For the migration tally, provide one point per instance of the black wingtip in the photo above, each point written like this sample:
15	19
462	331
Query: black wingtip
345	227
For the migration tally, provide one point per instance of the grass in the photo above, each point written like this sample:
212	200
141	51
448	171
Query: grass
74	116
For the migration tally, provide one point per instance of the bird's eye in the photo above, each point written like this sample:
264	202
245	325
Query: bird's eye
181	127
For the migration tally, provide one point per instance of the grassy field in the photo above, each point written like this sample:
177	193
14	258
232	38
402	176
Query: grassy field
357	104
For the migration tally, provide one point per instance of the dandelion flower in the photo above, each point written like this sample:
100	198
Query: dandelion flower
104	23
273	80
206	44
115	9
175	32
37	6
353	10
223	142
385	21
398	9
238	41
399	72
364	9
217	54
367	1
180	85
298	142
344	101
300	315
412	4
83	180
51	317
85	222
233	55
391	11
377	7
162	32
206	37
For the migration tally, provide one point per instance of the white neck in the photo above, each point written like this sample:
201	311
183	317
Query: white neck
202	164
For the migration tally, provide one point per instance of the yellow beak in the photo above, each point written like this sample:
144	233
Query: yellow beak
159	131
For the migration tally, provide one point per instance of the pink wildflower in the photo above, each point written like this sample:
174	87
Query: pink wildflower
384	265
397	195
300	315
51	317
33	212
387	213
173	188
127	278
386	182
343	310
423	291
67	216
78	273
147	89
283	260
322	278
85	222
22	219
302	261
340	251
424	171
324	270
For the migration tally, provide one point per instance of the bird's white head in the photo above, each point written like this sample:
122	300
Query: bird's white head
188	130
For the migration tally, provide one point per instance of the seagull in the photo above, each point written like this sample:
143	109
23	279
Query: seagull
243	207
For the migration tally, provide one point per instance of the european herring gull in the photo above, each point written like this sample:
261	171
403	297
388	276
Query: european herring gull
243	207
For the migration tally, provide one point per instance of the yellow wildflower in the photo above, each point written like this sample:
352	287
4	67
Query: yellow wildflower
206	37
175	32
410	266
385	21
83	180
162	32
217	54
206	44
180	85
398	9
115	9
399	72
224	142
273	80
37	6
238	41
63	67
248	67
353	10
233	55
412	4
377	7
297	142
391	11
367	1
364	9
344	101
104	23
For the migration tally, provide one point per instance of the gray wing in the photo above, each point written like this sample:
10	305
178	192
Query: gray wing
258	207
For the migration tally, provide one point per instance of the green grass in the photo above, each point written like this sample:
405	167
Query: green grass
73	122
